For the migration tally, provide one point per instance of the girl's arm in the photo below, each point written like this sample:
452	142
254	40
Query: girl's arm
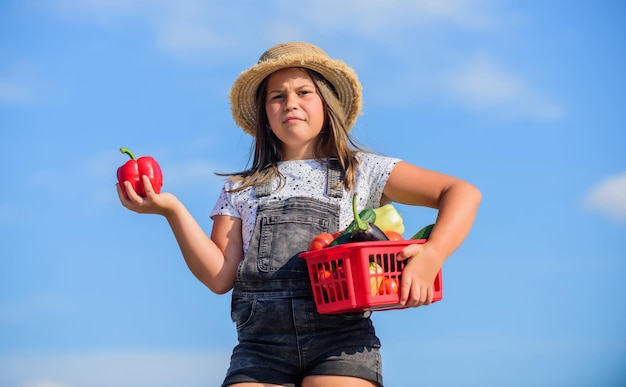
212	260
457	203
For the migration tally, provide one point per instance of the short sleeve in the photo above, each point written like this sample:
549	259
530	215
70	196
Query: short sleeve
224	205
374	172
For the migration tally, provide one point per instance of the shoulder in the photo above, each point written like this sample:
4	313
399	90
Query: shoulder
370	157
372	161
372	174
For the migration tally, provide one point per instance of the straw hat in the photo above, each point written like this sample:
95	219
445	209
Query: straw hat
294	54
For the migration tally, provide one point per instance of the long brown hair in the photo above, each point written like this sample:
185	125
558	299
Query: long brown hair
334	140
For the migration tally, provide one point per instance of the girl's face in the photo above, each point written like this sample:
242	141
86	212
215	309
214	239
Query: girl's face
295	112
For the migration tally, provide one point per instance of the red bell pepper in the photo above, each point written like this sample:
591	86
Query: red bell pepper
135	168
320	242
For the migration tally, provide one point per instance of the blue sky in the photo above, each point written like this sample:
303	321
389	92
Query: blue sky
523	99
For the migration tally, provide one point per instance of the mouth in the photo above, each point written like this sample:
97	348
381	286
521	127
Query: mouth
290	120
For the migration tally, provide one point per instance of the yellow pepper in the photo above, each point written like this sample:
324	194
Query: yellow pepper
388	219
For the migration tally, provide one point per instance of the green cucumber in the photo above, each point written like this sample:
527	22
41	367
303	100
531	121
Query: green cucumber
424	233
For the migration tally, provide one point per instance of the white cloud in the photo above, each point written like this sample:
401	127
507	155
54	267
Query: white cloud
197	28
19	84
102	11
44	383
482	84
609	197
178	36
28	308
184	28
477	83
193	172
379	19
211	31
485	83
15	92
114	369
11	213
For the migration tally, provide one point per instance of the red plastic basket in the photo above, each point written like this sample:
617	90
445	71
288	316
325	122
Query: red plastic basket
343	281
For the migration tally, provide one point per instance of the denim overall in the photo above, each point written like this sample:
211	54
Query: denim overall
281	336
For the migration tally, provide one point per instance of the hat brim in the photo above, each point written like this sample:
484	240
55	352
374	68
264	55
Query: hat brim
341	76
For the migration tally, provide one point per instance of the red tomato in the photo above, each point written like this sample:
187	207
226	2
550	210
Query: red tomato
393	235
321	241
388	286
334	286
324	275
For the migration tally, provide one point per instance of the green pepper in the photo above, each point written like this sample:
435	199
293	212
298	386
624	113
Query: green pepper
388	219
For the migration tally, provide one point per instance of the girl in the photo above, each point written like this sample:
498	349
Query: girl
299	105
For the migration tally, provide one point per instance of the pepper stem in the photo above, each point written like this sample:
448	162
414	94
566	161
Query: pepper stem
128	152
360	225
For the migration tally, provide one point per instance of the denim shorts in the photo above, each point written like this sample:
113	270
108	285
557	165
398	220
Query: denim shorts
282	340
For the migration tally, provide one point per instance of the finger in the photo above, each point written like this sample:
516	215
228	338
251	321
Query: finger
414	299
403	297
121	194
405	291
125	192
425	296
430	293
132	194
124	198
418	296
409	251
147	185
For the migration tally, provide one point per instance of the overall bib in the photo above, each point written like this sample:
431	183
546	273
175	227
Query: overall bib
281	336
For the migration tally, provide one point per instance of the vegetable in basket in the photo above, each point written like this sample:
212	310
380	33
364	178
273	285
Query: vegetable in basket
424	233
365	231
367	215
389	219
321	241
376	277
386	218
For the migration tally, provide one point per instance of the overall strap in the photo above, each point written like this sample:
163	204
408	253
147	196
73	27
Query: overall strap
264	189
334	177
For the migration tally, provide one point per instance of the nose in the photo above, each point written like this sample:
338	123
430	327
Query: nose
290	102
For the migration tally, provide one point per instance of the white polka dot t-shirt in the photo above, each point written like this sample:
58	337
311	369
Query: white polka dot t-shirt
307	178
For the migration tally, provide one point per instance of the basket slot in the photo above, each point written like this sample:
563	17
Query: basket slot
331	282
388	262
384	280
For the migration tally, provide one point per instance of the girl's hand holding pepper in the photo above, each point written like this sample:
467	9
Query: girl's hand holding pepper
152	203
418	276
135	168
